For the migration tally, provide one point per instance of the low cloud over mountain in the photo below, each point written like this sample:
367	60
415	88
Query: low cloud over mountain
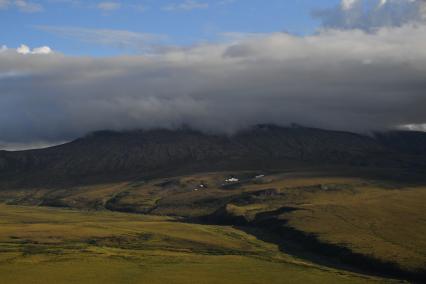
339	79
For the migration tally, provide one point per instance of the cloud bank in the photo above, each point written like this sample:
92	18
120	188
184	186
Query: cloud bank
338	79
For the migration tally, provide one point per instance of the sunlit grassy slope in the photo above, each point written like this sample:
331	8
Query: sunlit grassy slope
387	224
41	245
380	219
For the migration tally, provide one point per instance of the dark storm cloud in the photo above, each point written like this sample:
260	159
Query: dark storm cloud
350	80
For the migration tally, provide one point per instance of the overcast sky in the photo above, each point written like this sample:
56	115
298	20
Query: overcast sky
217	66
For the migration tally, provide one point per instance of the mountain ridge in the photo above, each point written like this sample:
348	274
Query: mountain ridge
105	155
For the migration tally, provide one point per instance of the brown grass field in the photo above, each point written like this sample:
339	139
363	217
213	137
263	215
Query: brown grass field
43	245
379	219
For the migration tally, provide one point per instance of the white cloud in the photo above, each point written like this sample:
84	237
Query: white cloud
3	48
109	6
24	49
187	5
42	50
372	14
24	146
382	3
414	127
348	4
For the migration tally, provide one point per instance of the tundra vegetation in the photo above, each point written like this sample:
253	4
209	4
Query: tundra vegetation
218	227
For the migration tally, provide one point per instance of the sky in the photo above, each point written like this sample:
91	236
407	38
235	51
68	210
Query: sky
61	24
70	67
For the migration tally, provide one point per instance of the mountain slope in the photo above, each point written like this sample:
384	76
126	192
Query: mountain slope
108	155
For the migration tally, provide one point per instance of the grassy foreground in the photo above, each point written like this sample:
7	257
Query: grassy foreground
373	225
44	245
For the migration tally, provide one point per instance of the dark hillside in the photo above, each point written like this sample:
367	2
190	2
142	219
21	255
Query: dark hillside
108	155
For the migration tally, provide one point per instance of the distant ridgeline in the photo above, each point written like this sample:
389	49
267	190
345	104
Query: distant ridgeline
109	156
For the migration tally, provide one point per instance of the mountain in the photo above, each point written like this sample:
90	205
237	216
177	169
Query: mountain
109	155
408	142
